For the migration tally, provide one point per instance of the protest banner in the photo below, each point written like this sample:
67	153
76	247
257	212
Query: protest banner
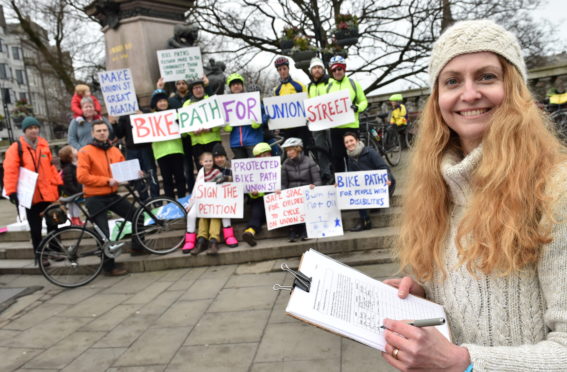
204	114
258	174
118	91
241	109
286	208
322	215
225	200
286	111
329	110
362	190
180	64
154	127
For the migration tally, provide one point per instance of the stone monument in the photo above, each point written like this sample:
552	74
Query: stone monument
135	29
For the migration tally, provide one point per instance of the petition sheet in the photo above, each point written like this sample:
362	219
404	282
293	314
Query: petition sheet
125	171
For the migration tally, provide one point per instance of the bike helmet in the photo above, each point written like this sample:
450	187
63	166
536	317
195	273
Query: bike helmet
233	78
193	83
157	95
292	142
396	97
281	61
261	148
337	61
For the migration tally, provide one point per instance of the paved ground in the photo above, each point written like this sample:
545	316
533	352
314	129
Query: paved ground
224	318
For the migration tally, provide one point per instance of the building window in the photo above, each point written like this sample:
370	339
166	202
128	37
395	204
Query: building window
24	96
20	77
3	71
1	45
6	97
16	53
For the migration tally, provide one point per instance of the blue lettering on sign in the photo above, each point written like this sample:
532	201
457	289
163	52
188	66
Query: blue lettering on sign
285	110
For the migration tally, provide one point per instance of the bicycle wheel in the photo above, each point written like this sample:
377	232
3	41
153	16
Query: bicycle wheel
560	120
71	256
160	226
409	135
393	148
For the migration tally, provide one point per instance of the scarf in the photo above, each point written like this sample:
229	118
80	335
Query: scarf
101	145
357	150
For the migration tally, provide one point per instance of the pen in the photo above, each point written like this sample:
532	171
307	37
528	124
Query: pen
425	322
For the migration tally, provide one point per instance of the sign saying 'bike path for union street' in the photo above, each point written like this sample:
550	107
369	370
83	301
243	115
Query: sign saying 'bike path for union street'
118	91
204	114
286	111
329	110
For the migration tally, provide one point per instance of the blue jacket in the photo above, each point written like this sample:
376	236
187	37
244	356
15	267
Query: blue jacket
369	159
246	135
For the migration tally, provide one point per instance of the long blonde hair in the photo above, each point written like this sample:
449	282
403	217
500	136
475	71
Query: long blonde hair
502	223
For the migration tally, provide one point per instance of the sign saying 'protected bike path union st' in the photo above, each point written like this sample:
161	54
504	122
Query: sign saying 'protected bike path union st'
362	190
258	174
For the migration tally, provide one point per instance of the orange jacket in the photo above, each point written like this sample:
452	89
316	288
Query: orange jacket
38	160
93	169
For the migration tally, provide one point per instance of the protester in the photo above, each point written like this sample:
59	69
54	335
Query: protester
256	202
243	138
80	131
82	91
359	103
318	87
32	152
365	158
483	224
169	154
298	170
68	156
398	117
221	163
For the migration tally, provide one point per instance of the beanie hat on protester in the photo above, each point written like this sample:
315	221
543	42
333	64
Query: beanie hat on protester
218	150
316	62
472	37
29	121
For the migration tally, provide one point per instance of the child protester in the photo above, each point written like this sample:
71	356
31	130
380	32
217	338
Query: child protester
82	91
68	159
221	163
298	170
256	201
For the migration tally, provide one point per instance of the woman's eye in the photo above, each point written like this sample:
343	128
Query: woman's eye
487	77
451	81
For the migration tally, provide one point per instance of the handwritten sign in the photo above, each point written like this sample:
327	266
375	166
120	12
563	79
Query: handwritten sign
241	109
329	110
26	187
225	200
258	174
322	215
154	127
362	190
204	114
286	208
118	91
286	111
180	64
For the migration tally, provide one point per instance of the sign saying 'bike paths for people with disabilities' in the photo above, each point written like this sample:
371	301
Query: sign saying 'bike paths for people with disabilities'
180	64
205	114
322	214
155	127
225	200
258	174
241	109
286	111
286	208
329	110
363	190
118	91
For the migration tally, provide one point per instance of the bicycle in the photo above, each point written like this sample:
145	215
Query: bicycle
375	134
559	118
73	256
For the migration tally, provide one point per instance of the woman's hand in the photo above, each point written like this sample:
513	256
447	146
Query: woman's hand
278	191
406	285
312	186
424	349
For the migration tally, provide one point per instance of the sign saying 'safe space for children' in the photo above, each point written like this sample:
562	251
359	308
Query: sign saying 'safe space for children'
224	200
118	91
154	127
258	174
286	111
204	114
362	190
286	208
329	110
241	109
180	64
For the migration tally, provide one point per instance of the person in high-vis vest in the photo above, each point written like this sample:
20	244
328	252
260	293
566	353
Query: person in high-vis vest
399	114
339	82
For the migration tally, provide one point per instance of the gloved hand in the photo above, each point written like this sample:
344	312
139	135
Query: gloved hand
255	125
14	198
227	128
354	107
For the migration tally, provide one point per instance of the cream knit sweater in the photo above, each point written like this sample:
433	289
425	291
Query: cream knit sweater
513	323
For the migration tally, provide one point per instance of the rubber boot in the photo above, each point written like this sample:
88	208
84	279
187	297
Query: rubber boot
76	221
229	238
213	248
189	243
249	236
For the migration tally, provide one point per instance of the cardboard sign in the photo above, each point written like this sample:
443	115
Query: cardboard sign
322	215
329	110
204	114
180	64
286	208
286	111
362	190
258	174
241	109
225	200
154	127
118	91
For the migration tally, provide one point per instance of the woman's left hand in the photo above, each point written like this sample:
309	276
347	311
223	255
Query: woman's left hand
423	349
312	186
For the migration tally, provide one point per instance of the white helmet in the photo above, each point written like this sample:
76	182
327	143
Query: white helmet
292	141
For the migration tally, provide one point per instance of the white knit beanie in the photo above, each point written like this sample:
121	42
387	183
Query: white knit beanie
480	35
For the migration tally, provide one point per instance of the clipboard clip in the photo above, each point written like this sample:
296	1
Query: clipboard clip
301	280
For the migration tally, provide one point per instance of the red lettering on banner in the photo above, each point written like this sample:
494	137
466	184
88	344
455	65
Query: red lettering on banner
155	121
169	122
140	126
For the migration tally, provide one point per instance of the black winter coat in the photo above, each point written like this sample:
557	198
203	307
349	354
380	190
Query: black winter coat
300	171
369	159
70	184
